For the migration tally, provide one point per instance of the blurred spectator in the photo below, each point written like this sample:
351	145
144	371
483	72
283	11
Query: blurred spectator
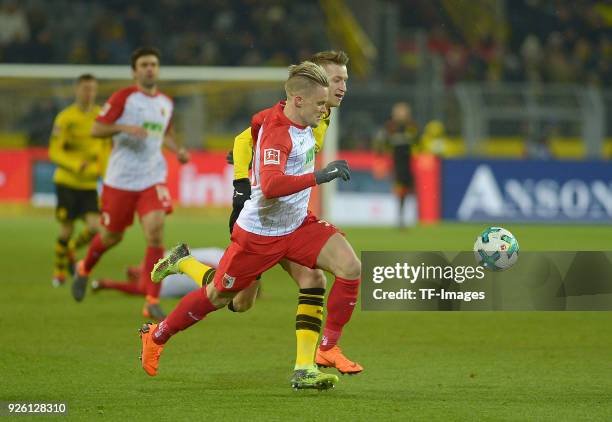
538	143
39	122
13	24
434	140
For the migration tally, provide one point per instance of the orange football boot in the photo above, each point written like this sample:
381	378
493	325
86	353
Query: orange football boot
149	356
334	358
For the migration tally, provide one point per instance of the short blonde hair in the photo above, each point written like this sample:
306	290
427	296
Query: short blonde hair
305	76
330	57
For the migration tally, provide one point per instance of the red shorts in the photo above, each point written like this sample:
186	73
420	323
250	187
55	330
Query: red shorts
249	254
119	206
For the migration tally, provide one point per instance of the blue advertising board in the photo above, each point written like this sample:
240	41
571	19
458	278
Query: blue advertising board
527	190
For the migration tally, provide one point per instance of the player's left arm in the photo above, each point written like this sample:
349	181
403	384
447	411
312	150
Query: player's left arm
171	143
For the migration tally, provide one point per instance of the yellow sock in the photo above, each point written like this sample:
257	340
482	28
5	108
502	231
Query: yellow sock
308	326
196	270
60	263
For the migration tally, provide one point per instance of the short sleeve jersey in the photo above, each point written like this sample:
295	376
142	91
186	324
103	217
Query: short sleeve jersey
136	164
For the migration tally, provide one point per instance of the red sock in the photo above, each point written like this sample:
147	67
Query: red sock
340	304
129	287
94	252
191	309
152	255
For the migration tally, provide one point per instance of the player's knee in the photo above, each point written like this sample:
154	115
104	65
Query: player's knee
351	268
154	236
217	298
93	228
240	304
312	279
111	238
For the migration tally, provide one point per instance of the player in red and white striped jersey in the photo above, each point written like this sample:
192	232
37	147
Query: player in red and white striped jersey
329	353
274	225
139	119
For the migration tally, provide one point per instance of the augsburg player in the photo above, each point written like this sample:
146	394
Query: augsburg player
80	160
343	295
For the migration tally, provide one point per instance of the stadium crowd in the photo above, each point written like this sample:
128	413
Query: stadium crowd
538	41
546	40
188	32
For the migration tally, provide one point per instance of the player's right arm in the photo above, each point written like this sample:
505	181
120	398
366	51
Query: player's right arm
105	126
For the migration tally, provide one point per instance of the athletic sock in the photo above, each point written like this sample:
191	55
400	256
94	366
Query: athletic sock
152	255
192	308
196	270
94	253
129	287
82	239
308	325
340	305
60	261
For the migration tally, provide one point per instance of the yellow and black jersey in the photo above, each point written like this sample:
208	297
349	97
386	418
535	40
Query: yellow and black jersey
80	158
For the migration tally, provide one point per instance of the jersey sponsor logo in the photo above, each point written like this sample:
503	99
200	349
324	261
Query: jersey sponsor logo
271	156
228	281
310	154
105	109
153	126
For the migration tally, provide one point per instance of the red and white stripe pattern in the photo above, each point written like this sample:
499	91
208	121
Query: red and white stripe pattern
288	148
136	164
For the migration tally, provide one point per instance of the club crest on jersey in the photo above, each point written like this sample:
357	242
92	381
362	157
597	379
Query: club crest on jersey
271	156
228	281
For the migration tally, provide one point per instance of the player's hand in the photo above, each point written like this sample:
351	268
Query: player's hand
230	158
135	131
242	192
182	155
333	170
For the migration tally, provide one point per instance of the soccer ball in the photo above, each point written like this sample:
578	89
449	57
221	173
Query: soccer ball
496	249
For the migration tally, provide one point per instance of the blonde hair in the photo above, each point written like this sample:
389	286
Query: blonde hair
330	57
305	76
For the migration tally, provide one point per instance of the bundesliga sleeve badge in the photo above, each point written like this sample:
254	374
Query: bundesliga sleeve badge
271	156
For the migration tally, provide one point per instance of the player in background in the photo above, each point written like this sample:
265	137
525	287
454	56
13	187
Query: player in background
274	224
339	313
80	160
175	285
399	135
139	119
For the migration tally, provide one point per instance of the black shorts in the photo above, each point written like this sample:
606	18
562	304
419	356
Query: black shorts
75	203
401	165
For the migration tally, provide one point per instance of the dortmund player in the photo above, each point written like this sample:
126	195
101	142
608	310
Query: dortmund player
80	160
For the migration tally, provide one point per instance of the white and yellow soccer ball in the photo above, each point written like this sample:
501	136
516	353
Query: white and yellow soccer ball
496	249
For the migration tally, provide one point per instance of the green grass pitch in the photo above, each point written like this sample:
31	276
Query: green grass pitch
418	366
